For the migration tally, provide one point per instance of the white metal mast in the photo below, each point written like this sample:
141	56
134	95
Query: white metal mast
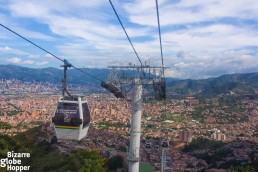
113	84
135	130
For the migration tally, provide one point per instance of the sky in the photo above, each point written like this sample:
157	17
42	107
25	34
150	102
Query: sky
201	38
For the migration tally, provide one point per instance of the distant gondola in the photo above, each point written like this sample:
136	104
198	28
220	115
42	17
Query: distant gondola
164	144
148	145
72	118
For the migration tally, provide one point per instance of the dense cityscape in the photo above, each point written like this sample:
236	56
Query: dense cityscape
26	105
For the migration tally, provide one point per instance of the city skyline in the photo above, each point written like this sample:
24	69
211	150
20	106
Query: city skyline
200	39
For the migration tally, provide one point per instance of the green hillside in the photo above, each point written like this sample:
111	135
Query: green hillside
51	75
234	84
44	156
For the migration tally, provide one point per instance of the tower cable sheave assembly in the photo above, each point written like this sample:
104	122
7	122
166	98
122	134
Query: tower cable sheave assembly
115	84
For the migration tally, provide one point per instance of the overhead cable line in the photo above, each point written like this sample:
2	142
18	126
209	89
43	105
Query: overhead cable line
160	42
87	73
31	42
48	52
125	31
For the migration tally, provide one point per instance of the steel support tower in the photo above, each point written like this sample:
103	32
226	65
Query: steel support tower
137	76
135	130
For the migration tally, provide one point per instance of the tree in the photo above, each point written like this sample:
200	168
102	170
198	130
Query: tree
54	140
5	126
241	169
86	161
246	169
8	144
116	162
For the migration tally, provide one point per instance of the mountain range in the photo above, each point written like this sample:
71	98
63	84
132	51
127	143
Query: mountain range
230	84
234	84
52	75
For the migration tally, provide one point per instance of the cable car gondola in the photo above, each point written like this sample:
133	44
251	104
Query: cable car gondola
165	144
71	119
148	145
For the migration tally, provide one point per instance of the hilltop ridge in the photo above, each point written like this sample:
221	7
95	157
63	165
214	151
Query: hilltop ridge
229	84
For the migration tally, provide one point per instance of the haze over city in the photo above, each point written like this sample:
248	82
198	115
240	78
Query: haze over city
201	38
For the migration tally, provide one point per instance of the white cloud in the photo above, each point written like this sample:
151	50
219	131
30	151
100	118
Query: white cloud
32	56
200	38
209	64
19	61
14	60
97	36
35	35
7	49
185	11
42	63
35	8
28	62
48	56
63	24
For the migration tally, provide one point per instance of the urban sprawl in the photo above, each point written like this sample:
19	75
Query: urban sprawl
24	105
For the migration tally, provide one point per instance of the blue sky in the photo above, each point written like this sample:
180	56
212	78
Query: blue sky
201	38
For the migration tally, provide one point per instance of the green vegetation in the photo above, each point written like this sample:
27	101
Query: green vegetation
199	111
146	114
197	116
8	144
51	75
110	124
222	112
115	163
241	169
235	108
36	123
144	167
216	156
12	113
15	111
202	143
235	84
214	151
85	161
46	158
149	126
173	117
5	126
231	100
204	88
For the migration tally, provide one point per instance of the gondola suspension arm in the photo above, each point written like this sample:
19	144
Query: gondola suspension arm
64	79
